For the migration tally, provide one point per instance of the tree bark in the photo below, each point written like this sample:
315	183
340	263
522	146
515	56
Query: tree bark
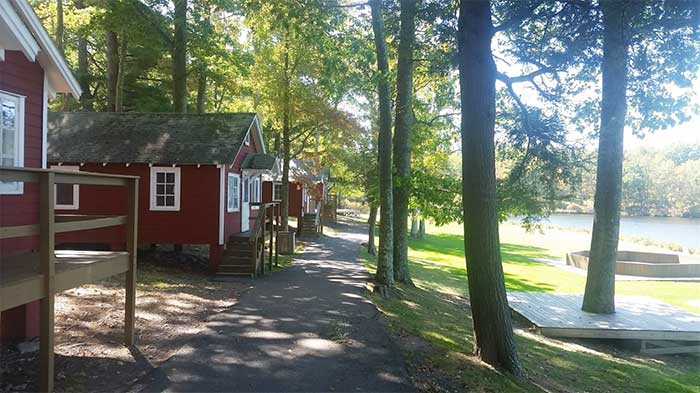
385	269
371	224
180	57
599	296
403	128
286	142
119	97
112	54
493	331
86	99
201	90
414	224
421	229
60	26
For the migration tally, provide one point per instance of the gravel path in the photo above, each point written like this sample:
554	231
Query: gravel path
308	328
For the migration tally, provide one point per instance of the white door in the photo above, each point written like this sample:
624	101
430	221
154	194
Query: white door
245	205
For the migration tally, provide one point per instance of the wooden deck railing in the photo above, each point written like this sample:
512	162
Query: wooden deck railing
49	225
267	222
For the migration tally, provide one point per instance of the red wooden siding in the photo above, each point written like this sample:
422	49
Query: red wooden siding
232	221
20	76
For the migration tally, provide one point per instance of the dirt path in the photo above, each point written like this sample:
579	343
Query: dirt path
308	328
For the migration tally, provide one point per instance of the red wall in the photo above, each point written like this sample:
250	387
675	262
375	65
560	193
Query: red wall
20	76
197	221
295	200
232	221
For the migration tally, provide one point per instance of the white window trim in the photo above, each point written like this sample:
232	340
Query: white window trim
16	188
258	191
276	197
178	182
237	196
76	189
246	140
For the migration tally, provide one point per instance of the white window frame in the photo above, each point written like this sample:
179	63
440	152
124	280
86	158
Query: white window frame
76	189
236	197
246	140
178	182
276	197
15	188
255	191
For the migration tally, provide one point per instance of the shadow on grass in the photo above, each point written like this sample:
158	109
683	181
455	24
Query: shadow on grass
445	323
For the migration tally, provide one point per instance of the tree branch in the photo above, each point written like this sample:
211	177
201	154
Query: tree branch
518	18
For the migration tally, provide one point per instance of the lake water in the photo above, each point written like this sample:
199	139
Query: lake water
684	231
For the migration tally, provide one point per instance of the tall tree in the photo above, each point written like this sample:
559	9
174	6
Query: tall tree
600	281
385	270
179	55
60	26
403	128
83	74
493	331
112	56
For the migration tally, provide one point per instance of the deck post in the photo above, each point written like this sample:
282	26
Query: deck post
277	231
131	248
47	238
272	234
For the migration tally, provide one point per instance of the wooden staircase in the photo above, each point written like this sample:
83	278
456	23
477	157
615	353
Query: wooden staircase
308	227
239	258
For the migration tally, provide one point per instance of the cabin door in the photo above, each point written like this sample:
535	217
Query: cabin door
245	205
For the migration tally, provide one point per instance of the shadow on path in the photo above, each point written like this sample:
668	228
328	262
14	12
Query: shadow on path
308	328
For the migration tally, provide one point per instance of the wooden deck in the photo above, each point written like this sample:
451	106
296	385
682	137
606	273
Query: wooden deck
636	318
21	280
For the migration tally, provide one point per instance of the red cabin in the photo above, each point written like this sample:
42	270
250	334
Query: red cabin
194	186
32	70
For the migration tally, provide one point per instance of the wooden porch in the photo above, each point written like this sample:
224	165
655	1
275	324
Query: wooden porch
39	276
246	252
660	328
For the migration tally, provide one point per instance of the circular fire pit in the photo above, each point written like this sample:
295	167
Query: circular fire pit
642	264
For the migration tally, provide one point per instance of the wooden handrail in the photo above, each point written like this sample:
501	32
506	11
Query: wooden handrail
33	175
260	219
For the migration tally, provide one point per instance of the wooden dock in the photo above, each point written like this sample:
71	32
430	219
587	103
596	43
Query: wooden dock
660	327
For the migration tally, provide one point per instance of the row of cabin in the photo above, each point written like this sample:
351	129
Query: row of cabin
201	175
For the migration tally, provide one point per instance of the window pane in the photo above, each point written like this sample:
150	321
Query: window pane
160	201
64	194
170	177
160	189
170	201
170	189
7	162
8	141
160	177
9	114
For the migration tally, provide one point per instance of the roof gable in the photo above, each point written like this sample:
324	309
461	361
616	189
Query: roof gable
158	138
21	29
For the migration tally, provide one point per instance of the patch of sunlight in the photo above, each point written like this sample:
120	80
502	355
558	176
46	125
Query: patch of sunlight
411	304
267	334
440	337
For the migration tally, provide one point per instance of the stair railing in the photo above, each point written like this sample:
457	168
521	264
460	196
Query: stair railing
266	215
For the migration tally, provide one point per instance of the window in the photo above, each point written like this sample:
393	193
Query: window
277	191
11	137
246	140
246	190
256	190
67	195
234	193
165	189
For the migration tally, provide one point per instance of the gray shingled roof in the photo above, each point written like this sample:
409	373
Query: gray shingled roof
259	161
159	138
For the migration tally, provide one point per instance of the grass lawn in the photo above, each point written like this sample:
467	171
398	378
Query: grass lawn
437	311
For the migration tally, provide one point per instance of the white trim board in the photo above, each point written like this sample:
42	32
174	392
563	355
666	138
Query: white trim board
152	188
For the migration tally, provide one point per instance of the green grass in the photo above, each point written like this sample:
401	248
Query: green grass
437	311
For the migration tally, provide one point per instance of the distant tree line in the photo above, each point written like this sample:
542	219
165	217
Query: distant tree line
655	182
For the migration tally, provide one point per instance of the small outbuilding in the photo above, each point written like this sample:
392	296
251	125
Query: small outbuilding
198	178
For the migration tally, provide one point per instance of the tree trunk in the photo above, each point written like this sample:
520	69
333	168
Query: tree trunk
385	269
493	331
286	144
599	296
371	223
180	57
112	48
201	90
86	99
414	224
421	229
119	98
403	128
60	27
